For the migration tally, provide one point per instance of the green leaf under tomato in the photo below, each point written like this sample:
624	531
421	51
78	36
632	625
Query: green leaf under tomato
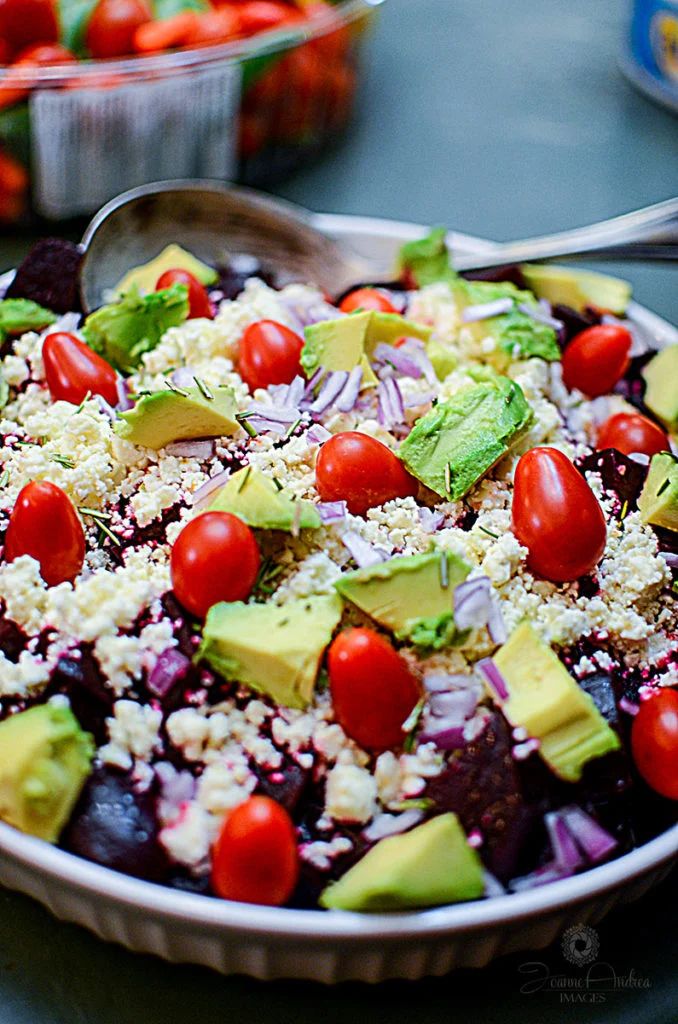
122	331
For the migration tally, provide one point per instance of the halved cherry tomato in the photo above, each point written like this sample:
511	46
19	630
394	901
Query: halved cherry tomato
44	525
255	857
361	471
630	432
269	354
111	27
556	516
212	27
214	558
597	358
654	742
156	36
373	689
23	22
199	304
262	15
367	298
72	370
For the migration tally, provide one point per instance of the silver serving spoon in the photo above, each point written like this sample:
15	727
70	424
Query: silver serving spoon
214	221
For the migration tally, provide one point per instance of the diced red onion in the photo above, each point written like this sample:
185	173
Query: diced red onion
307	310
313	382
191	449
493	678
399	360
565	851
331	511
330	391
496	626
430	519
629	706
445	735
454	703
472	603
285	416
170	668
349	394
422	398
391	410
106	409
318	434
391	824
595	842
486	310
670	557
184	377
202	495
416	349
67	322
124	400
541	316
364	553
440	682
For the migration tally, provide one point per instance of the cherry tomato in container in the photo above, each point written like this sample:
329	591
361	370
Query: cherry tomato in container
270	353
214	558
111	27
213	27
199	304
373	689
597	358
157	36
45	525
46	55
654	742
263	15
630	432
361	471
367	298
24	22
73	370
255	859
13	186
556	516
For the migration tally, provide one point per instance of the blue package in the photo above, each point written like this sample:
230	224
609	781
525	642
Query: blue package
653	60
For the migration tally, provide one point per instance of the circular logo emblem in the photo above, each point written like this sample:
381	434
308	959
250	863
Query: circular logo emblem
580	945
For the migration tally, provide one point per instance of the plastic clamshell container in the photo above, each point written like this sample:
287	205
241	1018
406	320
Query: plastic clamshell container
75	135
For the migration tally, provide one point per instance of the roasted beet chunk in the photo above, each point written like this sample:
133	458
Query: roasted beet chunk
13	640
286	785
510	272
481	785
574	322
49	276
619	474
599	687
79	677
114	826
233	276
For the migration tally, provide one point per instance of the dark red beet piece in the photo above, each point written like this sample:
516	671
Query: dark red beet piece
619	474
115	826
13	640
574	322
82	681
49	276
510	272
287	790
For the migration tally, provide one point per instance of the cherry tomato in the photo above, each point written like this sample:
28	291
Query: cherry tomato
654	742
262	15
255	859
199	304
630	432
111	27
213	27
72	370
44	525
23	22
45	55
21	76
214	558
361	471
596	359
269	354
373	689
556	516
366	298
156	36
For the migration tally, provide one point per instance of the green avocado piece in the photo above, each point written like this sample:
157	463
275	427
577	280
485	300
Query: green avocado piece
548	703
20	315
411	595
577	288
348	341
122	331
517	335
173	257
255	498
427	867
274	649
458	441
427	260
165	416
45	758
658	501
661	394
443	359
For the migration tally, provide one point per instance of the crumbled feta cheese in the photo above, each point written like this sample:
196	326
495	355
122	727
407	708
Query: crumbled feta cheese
350	794
133	733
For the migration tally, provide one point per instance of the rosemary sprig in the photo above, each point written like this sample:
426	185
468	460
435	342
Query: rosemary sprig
290	430
410	724
243	482
4	479
203	389
443	571
488	532
176	389
243	420
83	403
63	460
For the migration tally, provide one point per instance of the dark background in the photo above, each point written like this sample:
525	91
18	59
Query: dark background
501	118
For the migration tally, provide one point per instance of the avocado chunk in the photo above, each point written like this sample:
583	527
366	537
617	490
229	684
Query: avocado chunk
458	441
255	498
661	393
429	866
173	257
658	501
443	359
577	288
275	649
517	335
427	260
20	315
45	758
350	340
411	595
166	416
123	331
548	703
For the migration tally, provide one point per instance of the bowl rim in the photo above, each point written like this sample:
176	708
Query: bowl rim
339	15
279	924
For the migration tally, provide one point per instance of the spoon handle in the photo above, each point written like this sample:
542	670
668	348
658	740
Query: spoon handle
647	234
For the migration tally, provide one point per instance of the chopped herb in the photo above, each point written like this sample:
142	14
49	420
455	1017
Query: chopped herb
443	570
83	403
93	512
489	532
624	510
4	479
410	724
24	444
203	389
243	420
244	480
290	430
422	803
663	487
448	478
177	390
277	483
63	460
105	532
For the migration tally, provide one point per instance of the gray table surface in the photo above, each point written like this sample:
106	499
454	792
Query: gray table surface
501	118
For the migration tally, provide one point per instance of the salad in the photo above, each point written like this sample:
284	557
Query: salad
365	604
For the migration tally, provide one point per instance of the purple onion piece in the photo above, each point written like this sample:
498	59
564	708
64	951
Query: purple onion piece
670	557
398	359
444	736
330	391
331	511
565	851
430	519
170	668
439	682
629	706
493	678
472	600
318	434
201	496
496	626
285	416
541	316
423	398
391	825
363	553
486	310
349	394
124	400
551	872
458	704
200	449
594	841
313	383
106	409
